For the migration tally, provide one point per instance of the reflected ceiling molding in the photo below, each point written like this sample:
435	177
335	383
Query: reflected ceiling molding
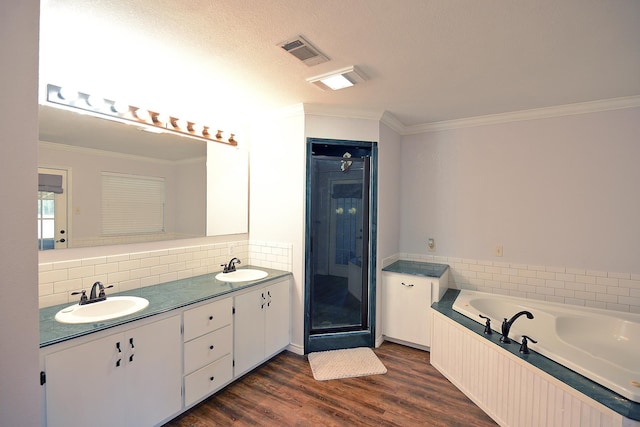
148	119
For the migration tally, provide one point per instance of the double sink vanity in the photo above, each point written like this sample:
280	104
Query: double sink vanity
102	364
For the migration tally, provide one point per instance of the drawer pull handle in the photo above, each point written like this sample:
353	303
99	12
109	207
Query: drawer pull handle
408	286
211	347
212	378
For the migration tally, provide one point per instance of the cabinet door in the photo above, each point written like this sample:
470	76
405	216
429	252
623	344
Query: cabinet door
406	302
248	332
84	384
153	383
277	318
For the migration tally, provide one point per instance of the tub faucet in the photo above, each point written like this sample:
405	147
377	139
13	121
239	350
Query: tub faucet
506	325
231	267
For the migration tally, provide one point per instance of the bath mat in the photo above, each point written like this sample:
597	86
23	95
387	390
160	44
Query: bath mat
347	363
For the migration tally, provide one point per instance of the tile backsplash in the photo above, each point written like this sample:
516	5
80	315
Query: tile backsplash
599	289
127	271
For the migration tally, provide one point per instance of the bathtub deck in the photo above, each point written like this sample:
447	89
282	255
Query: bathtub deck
606	397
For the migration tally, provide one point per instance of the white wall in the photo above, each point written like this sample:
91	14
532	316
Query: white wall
277	197
559	191
389	208
19	369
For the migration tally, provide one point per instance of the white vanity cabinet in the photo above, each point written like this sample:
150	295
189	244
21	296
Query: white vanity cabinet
132	378
406	307
261	325
208	349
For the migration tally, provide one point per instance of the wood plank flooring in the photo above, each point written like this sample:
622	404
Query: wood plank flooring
282	392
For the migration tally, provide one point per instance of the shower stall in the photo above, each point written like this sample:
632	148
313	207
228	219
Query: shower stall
340	244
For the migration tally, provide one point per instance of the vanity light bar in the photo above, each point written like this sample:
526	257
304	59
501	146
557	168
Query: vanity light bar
131	114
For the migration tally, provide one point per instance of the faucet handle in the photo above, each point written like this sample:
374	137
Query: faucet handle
487	325
524	348
102	294
83	296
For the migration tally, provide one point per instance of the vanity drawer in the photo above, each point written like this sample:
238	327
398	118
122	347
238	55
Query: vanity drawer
207	380
207	318
207	348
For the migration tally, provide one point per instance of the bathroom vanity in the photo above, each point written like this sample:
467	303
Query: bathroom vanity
144	369
408	290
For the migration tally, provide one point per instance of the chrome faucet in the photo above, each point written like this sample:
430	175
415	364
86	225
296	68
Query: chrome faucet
231	267
506	325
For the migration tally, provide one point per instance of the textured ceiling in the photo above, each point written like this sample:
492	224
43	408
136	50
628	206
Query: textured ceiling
427	60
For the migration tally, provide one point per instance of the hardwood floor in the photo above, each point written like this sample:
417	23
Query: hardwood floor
282	392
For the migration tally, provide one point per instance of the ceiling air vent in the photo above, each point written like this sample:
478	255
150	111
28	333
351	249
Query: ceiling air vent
304	51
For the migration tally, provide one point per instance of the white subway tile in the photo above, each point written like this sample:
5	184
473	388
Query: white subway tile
607	281
590	296
614	290
53	276
619	275
596	304
629	300
80	272
617	307
586	279
596	273
633	284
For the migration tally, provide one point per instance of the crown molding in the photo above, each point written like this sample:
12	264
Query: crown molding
342	111
536	113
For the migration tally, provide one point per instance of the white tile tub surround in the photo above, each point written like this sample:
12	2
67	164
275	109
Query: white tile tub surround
599	289
129	271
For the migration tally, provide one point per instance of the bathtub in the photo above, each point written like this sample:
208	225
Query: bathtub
601	345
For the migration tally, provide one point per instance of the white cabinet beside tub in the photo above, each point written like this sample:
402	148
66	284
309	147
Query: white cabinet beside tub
132	378
406	302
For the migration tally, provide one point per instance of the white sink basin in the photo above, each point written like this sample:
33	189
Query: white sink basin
111	308
244	275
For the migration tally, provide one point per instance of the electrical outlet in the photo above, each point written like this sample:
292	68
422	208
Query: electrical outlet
498	251
431	244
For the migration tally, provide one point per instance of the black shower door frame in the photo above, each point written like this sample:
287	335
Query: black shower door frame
330	339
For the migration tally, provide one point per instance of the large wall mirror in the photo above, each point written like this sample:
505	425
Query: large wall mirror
96	157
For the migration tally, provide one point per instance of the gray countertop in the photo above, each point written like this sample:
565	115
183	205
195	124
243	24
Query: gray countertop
162	298
417	268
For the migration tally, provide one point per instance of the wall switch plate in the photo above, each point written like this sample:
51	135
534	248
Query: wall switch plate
498	251
431	244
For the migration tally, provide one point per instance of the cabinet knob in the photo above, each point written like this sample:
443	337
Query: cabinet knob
211	347
212	378
210	317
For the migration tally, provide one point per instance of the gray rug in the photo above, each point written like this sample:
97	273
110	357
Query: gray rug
347	363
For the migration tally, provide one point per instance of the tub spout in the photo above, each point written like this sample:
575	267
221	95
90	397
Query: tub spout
506	325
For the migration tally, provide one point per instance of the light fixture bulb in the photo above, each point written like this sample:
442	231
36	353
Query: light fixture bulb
142	114
337	82
96	102
68	94
120	107
181	124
